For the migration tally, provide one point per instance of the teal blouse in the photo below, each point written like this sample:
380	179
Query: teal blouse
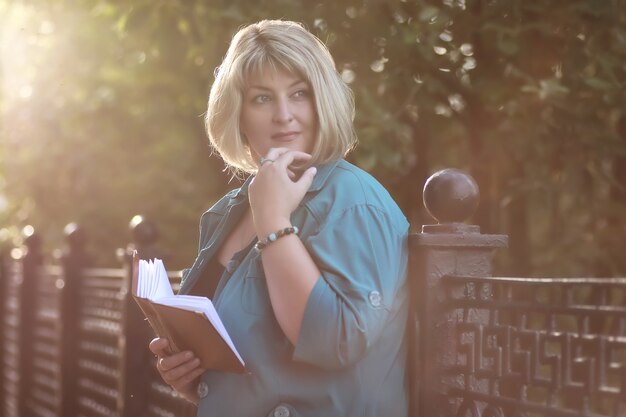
350	358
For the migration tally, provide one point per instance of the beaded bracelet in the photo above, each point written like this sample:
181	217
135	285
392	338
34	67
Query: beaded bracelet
273	237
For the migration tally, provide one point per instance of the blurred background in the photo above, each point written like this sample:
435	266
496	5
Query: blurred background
102	108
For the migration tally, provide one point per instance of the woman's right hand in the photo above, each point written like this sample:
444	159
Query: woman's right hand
180	370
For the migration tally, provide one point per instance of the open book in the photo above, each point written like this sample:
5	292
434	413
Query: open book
189	322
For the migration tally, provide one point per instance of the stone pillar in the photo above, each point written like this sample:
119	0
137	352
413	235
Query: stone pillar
447	248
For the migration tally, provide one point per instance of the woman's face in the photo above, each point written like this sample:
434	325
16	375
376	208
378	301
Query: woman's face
278	112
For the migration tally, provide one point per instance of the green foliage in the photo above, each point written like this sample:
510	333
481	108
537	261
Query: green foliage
528	96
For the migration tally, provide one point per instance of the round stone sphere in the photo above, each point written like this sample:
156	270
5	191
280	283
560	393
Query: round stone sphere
32	241
143	230
74	235
451	196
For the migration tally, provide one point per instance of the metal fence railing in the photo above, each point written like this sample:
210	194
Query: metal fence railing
539	346
74	344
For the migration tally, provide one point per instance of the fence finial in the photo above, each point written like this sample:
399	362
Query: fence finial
75	236
144	231
451	196
32	242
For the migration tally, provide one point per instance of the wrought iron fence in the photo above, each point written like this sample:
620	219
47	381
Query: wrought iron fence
538	347
505	346
73	343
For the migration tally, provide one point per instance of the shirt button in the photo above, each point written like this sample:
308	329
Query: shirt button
374	298
203	389
281	411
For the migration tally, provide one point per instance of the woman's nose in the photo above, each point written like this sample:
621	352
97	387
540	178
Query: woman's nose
282	112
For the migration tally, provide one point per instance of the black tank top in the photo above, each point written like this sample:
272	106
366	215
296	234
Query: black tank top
213	271
207	283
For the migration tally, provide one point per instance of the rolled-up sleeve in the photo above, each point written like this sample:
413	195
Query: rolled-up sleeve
362	255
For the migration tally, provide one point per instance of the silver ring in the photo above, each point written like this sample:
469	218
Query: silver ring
264	160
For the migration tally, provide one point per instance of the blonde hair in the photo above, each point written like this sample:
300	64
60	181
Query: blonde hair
286	45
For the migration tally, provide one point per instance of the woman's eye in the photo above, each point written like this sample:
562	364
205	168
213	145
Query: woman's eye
301	94
262	98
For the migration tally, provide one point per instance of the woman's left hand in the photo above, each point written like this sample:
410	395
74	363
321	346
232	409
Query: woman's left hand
275	193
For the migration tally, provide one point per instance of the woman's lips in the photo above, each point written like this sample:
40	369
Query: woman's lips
285	136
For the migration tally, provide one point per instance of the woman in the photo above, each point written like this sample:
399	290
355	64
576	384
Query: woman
306	262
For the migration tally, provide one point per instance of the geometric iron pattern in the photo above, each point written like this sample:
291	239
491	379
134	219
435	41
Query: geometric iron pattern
32	382
538	347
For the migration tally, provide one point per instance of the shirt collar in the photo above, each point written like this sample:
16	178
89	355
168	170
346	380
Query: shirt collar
243	190
323	172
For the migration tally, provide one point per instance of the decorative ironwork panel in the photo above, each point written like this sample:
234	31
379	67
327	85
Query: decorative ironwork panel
11	351
538	347
44	390
98	375
99	353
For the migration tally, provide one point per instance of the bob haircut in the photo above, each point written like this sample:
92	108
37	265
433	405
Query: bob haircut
277	44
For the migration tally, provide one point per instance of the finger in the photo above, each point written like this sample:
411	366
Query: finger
187	378
273	154
159	346
305	181
172	361
288	158
180	371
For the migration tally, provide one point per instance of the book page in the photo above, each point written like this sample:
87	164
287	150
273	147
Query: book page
153	282
203	305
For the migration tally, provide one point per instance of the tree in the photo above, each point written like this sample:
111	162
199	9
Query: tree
528	96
